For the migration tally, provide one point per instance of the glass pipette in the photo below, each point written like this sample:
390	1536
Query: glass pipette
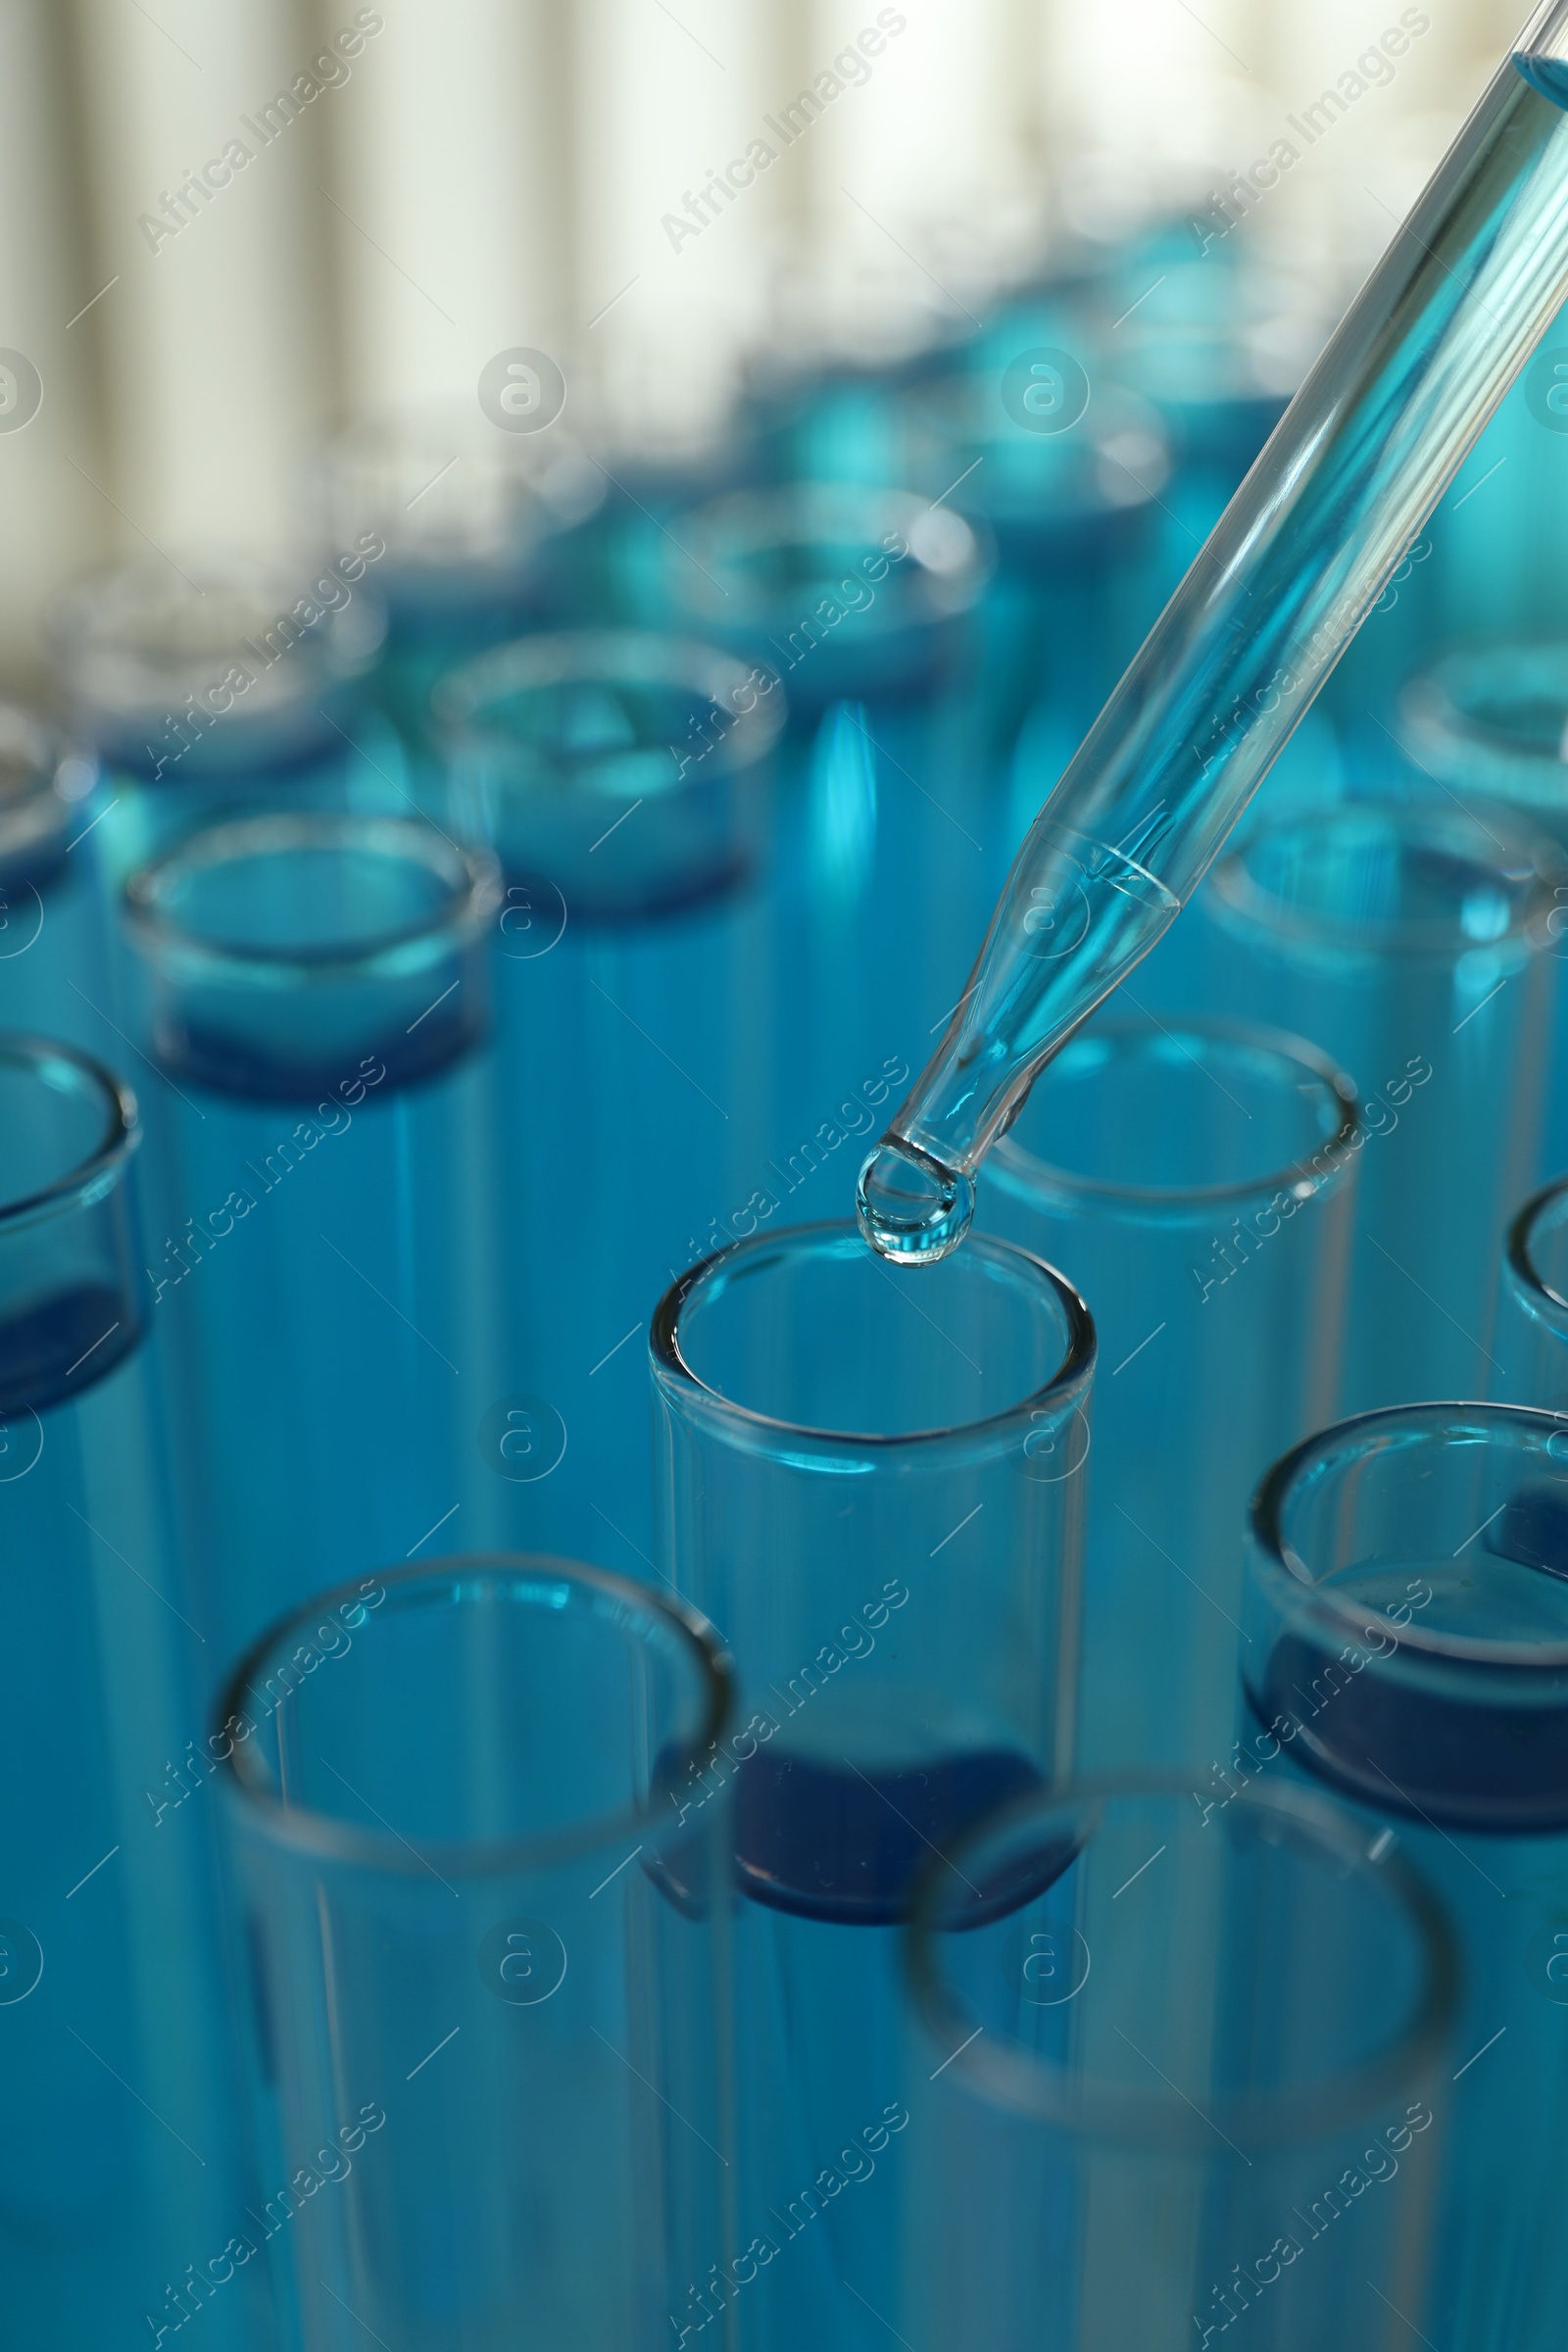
1303	551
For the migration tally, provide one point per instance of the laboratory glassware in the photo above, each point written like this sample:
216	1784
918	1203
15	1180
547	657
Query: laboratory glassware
1364	452
1408	1644
117	2162
1194	2082
878	1500
488	1955
1195	1180
314	1001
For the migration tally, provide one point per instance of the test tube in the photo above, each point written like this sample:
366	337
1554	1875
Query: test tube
839	588
878	1499
117	2154
1488	723
471	517
1408	1644
487	1961
314	1003
1406	941
863	603
49	906
1531	1342
233	682
1195	1180
1194	2082
625	780
1066	468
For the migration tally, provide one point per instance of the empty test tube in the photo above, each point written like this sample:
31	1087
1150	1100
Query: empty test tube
1195	1180
476	1849
1191	2084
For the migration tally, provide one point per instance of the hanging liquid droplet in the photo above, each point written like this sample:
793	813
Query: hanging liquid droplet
911	1208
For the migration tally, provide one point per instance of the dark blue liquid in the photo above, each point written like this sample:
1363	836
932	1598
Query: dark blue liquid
212	1059
830	1842
62	1346
1422	1753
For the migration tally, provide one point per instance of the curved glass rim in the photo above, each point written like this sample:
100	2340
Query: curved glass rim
120	1136
306	1830
632	656
1161	2121
1435	720
355	470
803	511
1029	1176
1300	1593
472	879
1246	902
1521	1261
96	619
674	1372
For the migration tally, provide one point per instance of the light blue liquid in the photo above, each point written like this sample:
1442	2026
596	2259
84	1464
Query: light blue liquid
1304	550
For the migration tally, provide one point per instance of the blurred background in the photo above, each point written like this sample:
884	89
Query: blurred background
446	182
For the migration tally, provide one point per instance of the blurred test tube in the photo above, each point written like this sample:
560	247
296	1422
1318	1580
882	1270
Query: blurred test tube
1196	1181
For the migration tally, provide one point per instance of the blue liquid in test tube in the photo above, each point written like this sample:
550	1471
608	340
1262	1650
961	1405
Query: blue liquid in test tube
117	2160
314	1001
1407	1614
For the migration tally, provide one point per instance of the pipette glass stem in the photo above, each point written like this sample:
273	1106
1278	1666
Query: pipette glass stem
1363	454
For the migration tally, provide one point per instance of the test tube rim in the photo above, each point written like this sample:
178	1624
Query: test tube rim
581	656
1043	1184
1537	1291
1300	1594
42	752
1437	731
765	515
687	1391
350	479
302	1829
473	876
90	1178
1240	905
90	622
1005	2075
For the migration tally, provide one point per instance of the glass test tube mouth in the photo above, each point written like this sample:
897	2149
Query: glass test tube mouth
626	770
349	1730
1536	1257
230	666
1407	1612
1218	1112
720	1352
837	587
1362	2008
69	1307
1374	880
41	785
1493	719
289	953
840	312
1221	353
1062	491
464	510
